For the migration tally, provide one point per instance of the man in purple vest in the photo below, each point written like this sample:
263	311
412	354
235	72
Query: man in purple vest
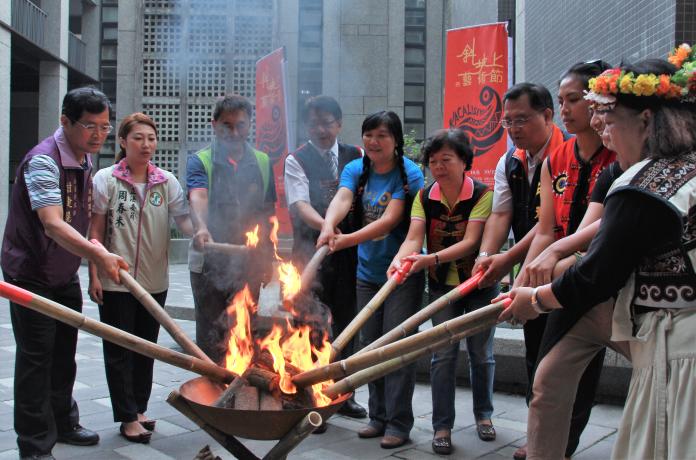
42	247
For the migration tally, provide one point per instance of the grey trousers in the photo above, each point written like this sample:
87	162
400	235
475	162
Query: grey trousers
557	377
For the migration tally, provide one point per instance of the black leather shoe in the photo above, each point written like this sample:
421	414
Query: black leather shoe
352	409
37	457
79	436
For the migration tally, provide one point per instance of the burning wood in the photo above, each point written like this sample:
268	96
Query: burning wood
267	364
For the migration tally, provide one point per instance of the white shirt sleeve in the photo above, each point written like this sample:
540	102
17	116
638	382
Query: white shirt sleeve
502	195
100	192
176	197
296	182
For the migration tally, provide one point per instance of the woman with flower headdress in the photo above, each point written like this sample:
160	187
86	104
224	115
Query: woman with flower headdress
646	250
568	203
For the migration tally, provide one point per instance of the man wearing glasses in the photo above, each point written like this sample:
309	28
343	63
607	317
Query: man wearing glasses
528	118
42	248
311	179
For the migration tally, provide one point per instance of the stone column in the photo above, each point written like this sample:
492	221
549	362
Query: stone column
91	28
5	60
53	76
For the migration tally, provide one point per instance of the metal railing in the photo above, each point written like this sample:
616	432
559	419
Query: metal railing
77	52
29	20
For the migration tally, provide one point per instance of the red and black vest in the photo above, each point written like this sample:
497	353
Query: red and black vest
27	253
572	181
322	188
526	198
446	227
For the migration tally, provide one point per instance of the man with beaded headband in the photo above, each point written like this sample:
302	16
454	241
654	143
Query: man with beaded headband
646	250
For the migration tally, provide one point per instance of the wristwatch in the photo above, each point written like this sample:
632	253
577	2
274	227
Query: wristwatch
482	254
536	305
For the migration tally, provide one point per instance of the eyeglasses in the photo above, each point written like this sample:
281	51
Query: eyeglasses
92	128
516	122
326	124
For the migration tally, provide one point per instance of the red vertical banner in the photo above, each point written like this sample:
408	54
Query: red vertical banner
272	132
476	77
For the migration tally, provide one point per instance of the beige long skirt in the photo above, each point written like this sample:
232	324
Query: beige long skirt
659	419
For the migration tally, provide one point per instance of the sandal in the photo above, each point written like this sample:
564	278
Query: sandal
443	445
148	424
485	431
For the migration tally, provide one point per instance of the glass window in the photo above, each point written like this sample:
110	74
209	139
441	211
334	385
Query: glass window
310	18
310	55
415	3
414	75
110	33
310	35
108	53
414	56
413	93
109	14
415	36
108	73
413	111
415	17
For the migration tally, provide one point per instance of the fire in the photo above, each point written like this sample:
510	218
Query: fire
252	237
290	281
290	346
240	349
274	235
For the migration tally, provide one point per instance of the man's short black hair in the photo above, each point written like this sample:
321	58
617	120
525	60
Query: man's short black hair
85	99
539	97
325	104
231	103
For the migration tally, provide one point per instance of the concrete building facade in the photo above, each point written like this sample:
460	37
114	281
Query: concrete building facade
46	48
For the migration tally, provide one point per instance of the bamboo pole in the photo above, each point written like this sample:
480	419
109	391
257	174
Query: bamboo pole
131	342
483	317
310	271
292	438
160	314
368	310
423	315
377	371
225	248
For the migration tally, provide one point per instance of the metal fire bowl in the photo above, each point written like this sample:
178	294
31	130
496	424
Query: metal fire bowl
201	392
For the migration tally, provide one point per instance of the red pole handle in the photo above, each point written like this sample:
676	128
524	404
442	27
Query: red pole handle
400	274
470	285
15	294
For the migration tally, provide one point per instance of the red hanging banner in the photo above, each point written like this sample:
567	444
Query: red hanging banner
272	133
476	77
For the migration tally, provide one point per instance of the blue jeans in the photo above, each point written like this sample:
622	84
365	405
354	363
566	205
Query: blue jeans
390	397
444	363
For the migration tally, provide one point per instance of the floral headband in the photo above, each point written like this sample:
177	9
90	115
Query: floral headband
682	85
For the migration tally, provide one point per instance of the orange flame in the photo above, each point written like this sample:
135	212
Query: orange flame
240	349
274	235
290	280
272	344
252	237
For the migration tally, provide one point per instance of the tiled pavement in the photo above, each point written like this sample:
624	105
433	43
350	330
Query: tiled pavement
178	438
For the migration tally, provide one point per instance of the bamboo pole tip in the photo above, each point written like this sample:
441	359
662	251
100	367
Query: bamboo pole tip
315	419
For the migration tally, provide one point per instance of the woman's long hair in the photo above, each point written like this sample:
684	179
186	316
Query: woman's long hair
392	122
127	125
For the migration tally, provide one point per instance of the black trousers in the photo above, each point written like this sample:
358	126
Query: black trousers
44	369
128	374
336	289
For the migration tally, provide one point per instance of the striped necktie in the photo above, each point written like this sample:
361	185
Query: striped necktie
333	163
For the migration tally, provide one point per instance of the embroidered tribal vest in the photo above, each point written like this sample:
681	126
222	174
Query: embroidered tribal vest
27	253
322	188
447	227
525	197
572	181
667	280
